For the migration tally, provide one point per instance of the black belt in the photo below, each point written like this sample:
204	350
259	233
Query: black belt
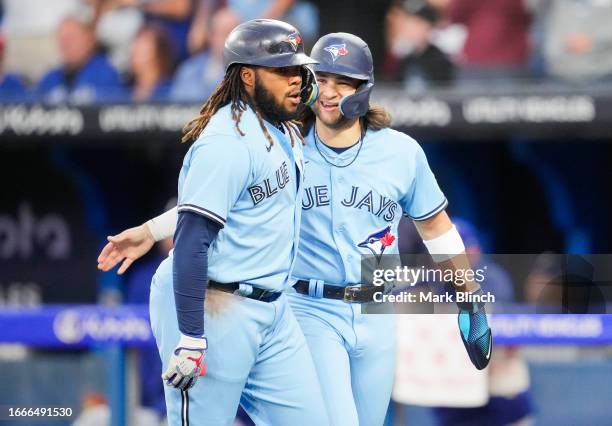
257	293
349	294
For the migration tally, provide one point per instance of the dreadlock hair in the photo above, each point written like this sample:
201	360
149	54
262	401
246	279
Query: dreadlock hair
377	118
231	90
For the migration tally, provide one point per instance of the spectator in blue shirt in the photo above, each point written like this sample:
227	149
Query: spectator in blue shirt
198	77
152	64
85	75
11	88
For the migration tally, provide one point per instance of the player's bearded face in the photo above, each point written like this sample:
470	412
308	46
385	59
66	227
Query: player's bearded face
277	93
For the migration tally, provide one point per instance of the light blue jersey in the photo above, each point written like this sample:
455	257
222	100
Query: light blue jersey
252	189
355	210
349	212
257	354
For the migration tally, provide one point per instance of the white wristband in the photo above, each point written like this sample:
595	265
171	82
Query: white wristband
193	342
445	246
164	225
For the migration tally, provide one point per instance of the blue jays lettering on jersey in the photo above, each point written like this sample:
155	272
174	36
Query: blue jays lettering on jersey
389	176
252	190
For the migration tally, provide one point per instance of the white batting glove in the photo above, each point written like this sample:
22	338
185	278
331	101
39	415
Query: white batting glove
186	363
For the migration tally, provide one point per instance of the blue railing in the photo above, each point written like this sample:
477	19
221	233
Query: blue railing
117	328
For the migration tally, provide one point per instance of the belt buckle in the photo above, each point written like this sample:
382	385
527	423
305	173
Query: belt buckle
263	295
350	294
244	290
266	295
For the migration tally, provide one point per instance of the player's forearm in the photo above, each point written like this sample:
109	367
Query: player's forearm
433	227
445	246
460	262
164	225
194	235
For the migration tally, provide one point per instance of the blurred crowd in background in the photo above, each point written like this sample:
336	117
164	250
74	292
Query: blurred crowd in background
83	51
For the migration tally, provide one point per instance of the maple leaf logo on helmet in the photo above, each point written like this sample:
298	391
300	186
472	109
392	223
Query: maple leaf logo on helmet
337	50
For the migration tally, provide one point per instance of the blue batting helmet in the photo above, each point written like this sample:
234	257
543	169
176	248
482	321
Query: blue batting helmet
270	43
348	55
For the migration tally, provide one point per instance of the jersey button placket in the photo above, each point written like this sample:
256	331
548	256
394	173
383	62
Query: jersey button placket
338	216
337	181
335	189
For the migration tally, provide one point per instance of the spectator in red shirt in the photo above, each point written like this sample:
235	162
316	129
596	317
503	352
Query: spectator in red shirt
497	44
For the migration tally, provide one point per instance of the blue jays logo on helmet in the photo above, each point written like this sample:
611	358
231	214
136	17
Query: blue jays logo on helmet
294	40
336	50
378	241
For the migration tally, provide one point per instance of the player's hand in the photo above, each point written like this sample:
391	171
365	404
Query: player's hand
475	332
125	247
186	363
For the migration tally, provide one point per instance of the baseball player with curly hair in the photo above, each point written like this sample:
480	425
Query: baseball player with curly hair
236	241
361	176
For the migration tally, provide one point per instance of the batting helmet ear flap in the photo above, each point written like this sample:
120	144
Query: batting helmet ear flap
310	88
357	104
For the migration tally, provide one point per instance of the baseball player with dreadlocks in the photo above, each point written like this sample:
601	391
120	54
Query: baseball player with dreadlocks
237	230
360	176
